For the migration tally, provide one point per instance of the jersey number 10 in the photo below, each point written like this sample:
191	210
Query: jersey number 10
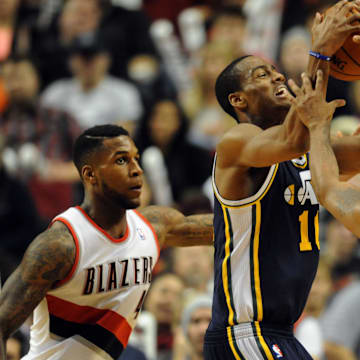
305	244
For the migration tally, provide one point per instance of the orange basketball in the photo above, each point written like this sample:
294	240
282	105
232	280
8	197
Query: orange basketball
345	63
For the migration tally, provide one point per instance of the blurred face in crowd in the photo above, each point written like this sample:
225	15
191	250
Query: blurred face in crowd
13	349
89	70
8	9
194	265
294	57
198	324
164	123
229	29
79	17
164	298
21	81
320	291
213	58
340	242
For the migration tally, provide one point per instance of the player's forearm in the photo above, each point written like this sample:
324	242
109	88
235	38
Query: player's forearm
323	164
192	231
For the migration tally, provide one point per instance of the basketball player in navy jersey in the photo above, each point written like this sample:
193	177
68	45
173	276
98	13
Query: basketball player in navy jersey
265	211
87	275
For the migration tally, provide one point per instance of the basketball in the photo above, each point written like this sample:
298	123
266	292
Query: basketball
345	63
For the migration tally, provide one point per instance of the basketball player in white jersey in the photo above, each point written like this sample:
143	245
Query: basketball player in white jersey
340	198
87	275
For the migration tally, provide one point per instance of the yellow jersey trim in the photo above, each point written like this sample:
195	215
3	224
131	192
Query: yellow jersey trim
251	202
225	276
255	255
263	344
231	343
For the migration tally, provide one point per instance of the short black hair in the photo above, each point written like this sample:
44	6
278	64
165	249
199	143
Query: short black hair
92	140
227	83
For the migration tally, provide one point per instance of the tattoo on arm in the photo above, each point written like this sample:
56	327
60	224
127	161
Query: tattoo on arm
48	259
193	230
175	229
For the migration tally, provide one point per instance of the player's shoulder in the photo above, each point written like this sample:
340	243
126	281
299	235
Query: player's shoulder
57	237
239	133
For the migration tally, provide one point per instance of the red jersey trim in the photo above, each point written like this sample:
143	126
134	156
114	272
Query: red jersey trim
151	228
77	245
91	221
106	318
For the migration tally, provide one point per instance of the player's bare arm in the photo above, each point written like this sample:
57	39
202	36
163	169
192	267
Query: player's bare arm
48	259
174	229
340	198
247	145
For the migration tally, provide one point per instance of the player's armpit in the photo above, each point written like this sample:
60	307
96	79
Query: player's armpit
175	229
49	259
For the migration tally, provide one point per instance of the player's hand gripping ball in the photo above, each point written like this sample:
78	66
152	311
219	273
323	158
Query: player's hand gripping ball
345	63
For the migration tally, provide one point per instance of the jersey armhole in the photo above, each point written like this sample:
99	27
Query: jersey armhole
77	254
147	222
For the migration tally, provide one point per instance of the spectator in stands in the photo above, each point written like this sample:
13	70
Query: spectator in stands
340	252
38	140
164	301
124	33
294	50
195	266
308	329
341	324
49	43
228	24
19	221
92	96
208	120
195	320
162	136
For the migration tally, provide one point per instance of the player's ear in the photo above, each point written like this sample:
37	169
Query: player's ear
238	100
88	174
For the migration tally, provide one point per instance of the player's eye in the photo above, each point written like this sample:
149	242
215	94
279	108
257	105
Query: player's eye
121	160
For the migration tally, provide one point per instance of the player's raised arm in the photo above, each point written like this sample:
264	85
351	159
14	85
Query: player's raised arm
48	259
175	229
341	199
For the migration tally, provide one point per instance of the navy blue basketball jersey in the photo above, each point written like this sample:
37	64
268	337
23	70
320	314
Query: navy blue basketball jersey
266	249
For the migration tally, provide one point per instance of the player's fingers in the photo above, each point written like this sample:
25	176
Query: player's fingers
340	5
339	134
307	86
319	80
357	131
294	88
338	103
356	39
318	18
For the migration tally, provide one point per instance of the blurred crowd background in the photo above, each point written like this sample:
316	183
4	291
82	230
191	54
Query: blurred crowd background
151	65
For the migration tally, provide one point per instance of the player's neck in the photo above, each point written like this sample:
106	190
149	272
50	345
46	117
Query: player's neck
113	221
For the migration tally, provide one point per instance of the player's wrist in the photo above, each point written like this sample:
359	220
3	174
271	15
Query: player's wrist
319	55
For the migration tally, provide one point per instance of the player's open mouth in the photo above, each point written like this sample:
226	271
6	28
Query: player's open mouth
282	92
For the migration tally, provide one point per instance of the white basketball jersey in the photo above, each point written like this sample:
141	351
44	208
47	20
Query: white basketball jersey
92	312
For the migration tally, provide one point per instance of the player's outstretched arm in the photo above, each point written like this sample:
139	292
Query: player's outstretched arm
175	229
48	259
